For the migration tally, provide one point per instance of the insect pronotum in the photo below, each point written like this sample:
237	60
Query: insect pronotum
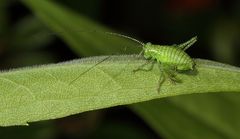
170	59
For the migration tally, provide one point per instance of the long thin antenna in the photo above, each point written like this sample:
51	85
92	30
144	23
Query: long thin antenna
89	69
124	36
111	33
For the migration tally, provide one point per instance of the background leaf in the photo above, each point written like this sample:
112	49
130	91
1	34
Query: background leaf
83	35
196	114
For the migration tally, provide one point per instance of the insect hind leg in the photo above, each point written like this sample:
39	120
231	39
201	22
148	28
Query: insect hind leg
173	78
161	79
171	71
184	46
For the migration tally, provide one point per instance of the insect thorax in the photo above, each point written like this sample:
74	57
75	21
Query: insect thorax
147	53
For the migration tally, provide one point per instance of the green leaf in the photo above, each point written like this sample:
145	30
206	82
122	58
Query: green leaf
47	92
83	35
208	116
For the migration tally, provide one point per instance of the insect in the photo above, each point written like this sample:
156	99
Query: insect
170	59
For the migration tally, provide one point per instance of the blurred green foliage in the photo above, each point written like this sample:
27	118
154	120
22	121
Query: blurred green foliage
25	40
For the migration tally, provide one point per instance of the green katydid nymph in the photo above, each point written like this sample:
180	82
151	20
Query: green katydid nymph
170	59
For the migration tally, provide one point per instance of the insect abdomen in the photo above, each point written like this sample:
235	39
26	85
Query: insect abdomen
170	55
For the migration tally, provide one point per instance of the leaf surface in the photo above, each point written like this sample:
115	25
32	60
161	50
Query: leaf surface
47	92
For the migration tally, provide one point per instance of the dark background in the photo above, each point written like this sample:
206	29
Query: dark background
215	22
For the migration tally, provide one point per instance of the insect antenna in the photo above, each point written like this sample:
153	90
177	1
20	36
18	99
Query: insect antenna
127	37
130	38
92	31
89	69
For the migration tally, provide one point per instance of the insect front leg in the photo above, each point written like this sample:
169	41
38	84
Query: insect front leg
143	65
162	77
